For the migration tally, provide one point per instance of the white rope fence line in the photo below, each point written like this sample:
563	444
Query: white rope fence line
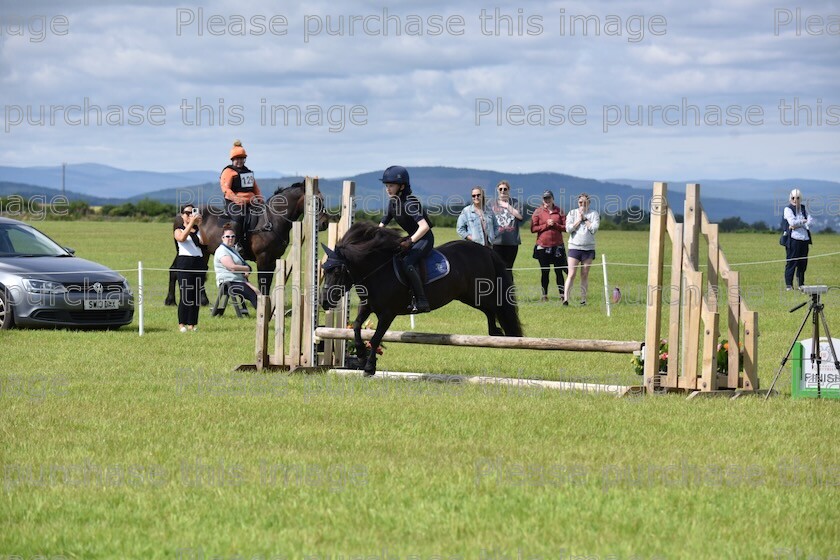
774	261
210	270
140	269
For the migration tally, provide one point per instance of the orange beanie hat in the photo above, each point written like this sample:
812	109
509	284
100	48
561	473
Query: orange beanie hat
237	150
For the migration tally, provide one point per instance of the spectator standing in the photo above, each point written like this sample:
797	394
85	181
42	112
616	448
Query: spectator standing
508	219
477	223
582	223
190	266
548	222
798	239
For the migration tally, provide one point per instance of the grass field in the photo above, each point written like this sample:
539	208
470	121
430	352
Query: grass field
119	446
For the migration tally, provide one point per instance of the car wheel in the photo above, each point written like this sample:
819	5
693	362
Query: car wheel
7	319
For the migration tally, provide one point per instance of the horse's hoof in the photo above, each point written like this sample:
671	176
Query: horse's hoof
370	366
362	355
169	301
353	362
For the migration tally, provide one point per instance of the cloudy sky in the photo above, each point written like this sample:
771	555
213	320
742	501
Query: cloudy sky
596	89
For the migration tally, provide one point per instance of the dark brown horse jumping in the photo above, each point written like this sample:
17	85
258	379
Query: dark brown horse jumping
478	277
267	241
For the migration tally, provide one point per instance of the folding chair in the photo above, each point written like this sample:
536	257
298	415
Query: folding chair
239	302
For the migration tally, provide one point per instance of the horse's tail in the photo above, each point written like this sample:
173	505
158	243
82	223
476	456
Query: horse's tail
508	312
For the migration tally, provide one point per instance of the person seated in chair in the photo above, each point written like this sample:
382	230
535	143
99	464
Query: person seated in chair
406	209
231	267
240	190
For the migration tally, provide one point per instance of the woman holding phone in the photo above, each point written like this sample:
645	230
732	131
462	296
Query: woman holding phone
190	266
582	223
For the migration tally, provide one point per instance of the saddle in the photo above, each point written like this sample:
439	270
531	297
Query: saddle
434	267
250	224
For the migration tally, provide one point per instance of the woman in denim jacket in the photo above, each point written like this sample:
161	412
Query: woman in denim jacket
476	223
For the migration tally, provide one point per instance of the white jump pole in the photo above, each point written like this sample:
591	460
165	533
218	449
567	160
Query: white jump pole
140	297
606	284
482	341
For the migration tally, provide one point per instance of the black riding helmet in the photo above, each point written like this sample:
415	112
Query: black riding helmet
396	174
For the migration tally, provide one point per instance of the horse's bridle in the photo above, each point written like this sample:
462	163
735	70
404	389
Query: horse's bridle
335	261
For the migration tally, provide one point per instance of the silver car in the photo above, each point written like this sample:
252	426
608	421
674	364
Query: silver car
43	284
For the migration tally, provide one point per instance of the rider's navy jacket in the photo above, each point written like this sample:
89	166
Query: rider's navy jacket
407	211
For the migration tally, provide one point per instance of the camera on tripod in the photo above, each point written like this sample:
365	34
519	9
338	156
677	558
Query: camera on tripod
813	289
817	313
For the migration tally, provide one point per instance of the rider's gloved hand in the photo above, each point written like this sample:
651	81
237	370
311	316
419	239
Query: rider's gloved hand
406	243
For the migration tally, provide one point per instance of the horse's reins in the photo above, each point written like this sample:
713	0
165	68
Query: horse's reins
365	277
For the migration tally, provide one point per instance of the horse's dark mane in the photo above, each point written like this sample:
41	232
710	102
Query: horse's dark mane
279	190
364	238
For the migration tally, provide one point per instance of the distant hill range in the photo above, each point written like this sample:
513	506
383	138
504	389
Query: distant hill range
752	200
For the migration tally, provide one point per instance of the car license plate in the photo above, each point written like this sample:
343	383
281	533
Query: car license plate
97	304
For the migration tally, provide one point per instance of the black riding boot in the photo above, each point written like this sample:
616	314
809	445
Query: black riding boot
236	213
239	230
419	303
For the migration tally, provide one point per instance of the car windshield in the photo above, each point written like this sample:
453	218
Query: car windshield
18	240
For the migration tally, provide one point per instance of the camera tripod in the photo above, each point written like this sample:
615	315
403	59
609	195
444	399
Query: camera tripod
816	311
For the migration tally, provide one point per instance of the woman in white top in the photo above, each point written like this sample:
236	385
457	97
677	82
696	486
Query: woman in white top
232	269
581	223
190	265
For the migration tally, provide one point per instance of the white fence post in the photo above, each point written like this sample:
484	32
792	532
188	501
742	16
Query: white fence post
606	284
140	296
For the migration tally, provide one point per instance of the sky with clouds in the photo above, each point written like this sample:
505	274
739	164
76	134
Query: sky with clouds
596	89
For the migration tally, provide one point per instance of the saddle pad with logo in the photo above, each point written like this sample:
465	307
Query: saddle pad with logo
434	267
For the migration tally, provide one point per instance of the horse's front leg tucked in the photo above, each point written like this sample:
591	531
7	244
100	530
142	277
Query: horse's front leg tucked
361	317
383	322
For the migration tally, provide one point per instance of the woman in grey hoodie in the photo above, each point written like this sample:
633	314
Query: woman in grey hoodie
581	223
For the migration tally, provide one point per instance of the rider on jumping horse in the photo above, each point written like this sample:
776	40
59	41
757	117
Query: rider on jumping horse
406	209
240	190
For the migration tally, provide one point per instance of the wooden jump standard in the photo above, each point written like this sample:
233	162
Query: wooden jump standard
479	341
694	315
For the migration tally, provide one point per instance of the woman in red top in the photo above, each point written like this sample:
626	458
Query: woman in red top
549	223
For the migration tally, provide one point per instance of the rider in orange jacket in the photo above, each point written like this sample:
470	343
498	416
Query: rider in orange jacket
240	190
